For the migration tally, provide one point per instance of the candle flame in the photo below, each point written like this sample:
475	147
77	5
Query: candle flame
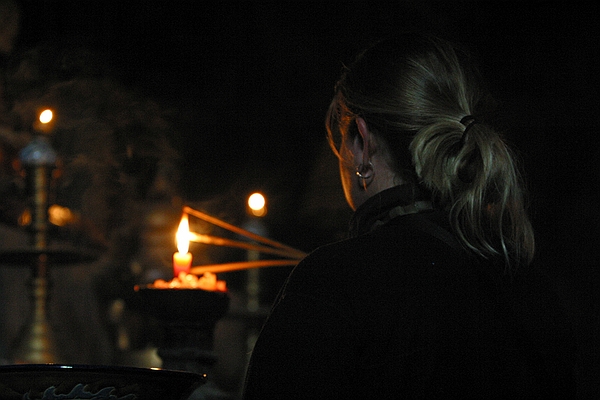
183	235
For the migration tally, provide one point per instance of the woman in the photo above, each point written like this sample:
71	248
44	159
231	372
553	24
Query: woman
433	295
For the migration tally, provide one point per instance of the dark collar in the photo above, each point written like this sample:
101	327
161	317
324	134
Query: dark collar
387	205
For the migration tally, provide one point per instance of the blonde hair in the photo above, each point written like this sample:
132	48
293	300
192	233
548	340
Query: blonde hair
413	91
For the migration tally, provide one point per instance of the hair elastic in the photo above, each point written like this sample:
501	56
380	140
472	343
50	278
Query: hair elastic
468	121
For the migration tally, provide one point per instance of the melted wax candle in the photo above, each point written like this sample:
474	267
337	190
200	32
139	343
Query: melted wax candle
182	259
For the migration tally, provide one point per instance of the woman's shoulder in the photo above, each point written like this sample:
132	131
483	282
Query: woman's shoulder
397	253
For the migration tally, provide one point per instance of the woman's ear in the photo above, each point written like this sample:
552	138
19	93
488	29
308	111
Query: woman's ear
366	139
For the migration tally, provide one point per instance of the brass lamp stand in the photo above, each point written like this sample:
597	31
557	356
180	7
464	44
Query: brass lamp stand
36	343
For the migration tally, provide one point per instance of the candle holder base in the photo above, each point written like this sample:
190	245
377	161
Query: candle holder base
187	346
36	343
187	318
187	359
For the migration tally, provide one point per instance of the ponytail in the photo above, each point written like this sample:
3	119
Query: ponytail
472	173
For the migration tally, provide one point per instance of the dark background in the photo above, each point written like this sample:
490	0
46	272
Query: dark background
248	84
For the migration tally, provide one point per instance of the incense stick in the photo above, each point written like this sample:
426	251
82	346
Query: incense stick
219	241
215	221
238	266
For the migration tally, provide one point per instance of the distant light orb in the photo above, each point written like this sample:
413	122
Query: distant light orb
257	204
256	201
60	216
46	116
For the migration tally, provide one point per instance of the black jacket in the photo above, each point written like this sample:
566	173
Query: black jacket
402	312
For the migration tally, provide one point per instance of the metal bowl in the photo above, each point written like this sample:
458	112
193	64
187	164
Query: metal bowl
98	382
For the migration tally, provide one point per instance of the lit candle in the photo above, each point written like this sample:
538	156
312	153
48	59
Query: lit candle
182	259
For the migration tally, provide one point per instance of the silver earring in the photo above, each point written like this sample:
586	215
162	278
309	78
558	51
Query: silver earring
365	172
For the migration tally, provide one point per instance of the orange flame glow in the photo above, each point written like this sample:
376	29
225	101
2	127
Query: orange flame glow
183	235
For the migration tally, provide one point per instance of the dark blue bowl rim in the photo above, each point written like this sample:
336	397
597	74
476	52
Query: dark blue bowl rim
100	369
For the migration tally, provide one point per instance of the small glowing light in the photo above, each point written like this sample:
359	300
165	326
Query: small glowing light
257	204
59	216
256	201
25	218
46	116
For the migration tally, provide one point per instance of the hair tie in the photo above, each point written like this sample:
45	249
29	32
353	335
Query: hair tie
468	121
